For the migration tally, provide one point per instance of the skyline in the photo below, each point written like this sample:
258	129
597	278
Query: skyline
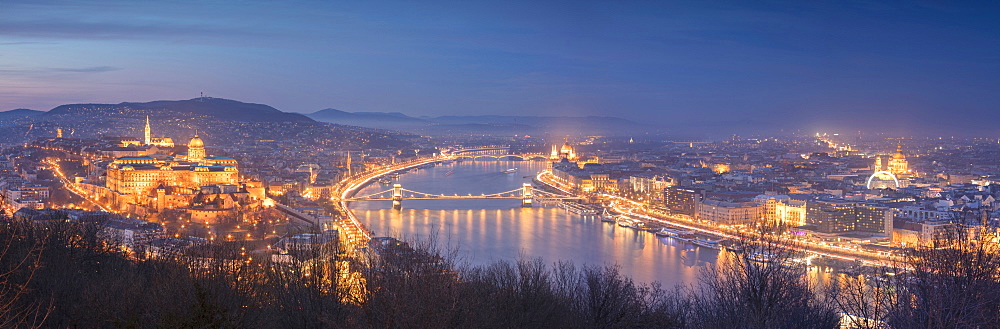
712	66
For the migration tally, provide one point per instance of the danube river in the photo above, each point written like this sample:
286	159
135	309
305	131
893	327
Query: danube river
488	230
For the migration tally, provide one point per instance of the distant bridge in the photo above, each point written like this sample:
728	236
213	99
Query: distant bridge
397	194
495	153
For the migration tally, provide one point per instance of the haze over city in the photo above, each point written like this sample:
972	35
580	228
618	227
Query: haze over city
922	67
515	164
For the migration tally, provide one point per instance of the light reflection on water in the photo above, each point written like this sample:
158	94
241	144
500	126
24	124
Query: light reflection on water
488	230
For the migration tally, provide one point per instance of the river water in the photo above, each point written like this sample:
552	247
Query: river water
488	230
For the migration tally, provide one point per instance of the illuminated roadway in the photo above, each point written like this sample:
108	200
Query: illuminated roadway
72	186
628	207
356	232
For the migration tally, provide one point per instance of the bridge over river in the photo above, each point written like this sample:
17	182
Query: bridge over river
397	194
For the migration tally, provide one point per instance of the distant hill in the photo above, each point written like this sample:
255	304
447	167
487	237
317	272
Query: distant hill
216	108
222	123
365	119
494	124
591	122
19	114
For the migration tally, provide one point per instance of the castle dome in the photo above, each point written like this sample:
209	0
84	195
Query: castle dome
196	142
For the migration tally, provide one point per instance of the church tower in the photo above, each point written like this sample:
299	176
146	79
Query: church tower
148	133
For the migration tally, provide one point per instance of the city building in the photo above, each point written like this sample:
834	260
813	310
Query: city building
914	233
26	195
683	200
895	164
730	213
140	175
149	140
308	242
130	233
565	151
782	210
836	216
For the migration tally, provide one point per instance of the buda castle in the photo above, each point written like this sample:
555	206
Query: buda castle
140	175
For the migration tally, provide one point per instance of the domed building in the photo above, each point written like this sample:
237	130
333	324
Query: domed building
135	177
566	151
895	164
196	149
898	164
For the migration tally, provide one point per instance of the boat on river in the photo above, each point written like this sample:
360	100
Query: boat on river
686	236
707	243
637	224
607	217
510	171
758	256
579	208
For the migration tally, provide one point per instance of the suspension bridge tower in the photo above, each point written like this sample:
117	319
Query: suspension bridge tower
526	195
397	196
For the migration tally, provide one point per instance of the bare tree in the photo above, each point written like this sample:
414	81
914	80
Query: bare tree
20	258
865	301
759	288
951	287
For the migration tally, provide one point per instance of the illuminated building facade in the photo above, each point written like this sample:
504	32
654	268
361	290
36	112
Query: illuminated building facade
895	164
683	200
141	174
782	210
723	212
910	233
565	151
842	216
148	138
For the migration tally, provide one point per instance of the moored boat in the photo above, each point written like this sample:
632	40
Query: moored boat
707	243
677	234
760	257
580	209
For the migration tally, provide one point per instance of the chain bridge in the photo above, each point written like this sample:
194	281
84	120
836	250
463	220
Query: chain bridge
527	194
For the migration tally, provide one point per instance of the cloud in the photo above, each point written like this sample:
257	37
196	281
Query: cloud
105	30
92	69
47	70
18	43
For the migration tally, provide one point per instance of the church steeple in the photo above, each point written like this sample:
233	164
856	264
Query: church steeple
148	133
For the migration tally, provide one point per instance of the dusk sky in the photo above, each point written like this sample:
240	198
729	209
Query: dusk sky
706	62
